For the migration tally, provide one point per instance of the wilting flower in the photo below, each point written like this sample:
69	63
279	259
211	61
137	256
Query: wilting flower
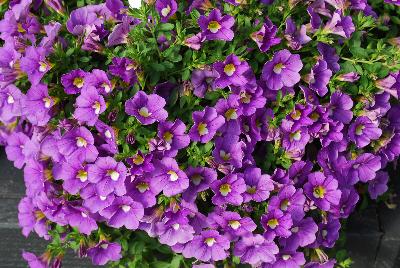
206	124
296	37
282	70
322	190
104	252
217	27
146	108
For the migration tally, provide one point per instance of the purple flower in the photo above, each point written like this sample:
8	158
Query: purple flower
78	144
364	167
123	212
203	80
322	190
166	9
217	27
329	55
104	252
14	149
34	63
289	199
206	124
89	105
234	225
108	175
146	108
319	78
74	175
340	107
255	250
124	68
120	32
174	134
31	218
229	150
276	223
251	101
231	109
231	72
303	233
296	37
175	229
207	246
73	81
93	201
228	190
38	104
328	232
348	201
363	130
98	79
80	218
288	259
200	179
11	101
140	163
142	190
82	20
378	186
340	25
265	38
258	185
282	70
34	261
168	177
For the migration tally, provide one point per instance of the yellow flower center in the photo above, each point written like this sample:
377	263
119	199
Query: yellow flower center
138	160
251	190
224	155
168	136
142	187
295	135
144	112
245	98
114	175
225	189
359	130
273	223
47	102
42	66
234	224
196	179
172	175
285	204
210	241
106	87
314	116
278	68
96	106
82	175
81	142
165	11
214	26
229	69
319	192
296	115
78	82
202	129
231	114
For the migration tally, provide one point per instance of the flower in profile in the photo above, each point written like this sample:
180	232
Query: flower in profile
231	72
174	134
166	9
258	186
194	41
329	55
228	190
31	218
74	81
216	27
34	63
209	245
37	105
322	190
123	212
229	150
340	25
168	177
340	107
14	149
146	108
89	105
206	124
78	144
98	79
296	37
276	223
108	175
124	68
200	179
265	38
378	186
282	70
364	167
319	78
363	130
255	250
104	252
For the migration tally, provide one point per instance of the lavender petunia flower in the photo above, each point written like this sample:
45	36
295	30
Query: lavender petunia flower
140	163
82	20
364	167
340	25
228	149
174	134
258	185
74	175
203	80
123	212
108	175
104	252
322	190
282	70
234	225
80	218
200	179
142	190
37	105
217	27
363	130
303	233
288	259
228	190
124	68
328	232
34	261
78	143
296	37
329	55
168	177
208	245
319	78
276	223
266	38
146	108
98	79
378	186
166	9
175	229
340	107
34	63
73	81
31	218
11	101
14	149
89	105
255	250
206	124
289	199
231	72
231	109
93	201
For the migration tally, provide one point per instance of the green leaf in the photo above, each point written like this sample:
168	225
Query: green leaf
166	27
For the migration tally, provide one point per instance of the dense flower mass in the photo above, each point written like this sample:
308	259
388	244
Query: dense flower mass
229	131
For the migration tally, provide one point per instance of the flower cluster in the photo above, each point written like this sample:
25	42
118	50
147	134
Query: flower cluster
230	131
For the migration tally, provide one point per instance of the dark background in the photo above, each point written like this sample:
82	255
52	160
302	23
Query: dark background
373	235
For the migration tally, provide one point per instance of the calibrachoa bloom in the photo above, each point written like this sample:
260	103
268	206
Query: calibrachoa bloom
197	123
